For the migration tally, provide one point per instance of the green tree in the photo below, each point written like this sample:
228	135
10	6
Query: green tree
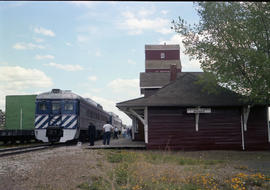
232	43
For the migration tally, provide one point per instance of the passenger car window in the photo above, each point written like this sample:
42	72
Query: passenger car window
68	107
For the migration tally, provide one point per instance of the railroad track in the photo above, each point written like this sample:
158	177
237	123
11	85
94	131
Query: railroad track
20	150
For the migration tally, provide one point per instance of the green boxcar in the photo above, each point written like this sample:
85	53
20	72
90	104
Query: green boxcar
20	112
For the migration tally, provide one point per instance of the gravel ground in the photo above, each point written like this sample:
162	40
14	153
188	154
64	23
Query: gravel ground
67	167
56	168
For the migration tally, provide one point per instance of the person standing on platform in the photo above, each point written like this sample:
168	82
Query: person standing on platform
130	133
107	128
92	133
124	132
115	133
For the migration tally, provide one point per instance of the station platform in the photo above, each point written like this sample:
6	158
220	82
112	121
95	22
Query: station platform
120	143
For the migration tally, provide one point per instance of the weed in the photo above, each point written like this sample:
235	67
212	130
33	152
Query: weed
97	184
190	161
114	158
127	174
43	187
121	174
245	181
156	158
190	186
121	156
84	186
241	167
99	164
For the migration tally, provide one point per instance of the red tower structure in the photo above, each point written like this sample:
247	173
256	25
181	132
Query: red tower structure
159	58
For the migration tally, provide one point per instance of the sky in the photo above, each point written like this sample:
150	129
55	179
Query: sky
94	49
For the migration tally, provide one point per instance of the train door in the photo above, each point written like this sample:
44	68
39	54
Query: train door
54	131
55	115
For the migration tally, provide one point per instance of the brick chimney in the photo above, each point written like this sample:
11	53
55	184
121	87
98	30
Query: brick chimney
173	72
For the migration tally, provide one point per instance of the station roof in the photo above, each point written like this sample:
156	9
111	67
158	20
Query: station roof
159	79
185	91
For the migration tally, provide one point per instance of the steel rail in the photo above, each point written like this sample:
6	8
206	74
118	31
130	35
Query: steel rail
22	147
20	150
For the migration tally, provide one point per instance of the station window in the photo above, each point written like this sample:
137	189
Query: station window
162	55
68	106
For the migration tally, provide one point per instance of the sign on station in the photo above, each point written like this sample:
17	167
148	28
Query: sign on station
198	110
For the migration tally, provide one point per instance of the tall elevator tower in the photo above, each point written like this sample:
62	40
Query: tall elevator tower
159	58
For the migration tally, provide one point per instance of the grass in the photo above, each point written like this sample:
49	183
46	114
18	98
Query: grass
154	170
165	170
97	183
157	158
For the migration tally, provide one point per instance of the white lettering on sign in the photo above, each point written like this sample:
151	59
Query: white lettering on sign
198	110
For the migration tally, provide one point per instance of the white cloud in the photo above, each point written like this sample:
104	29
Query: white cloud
68	44
187	64
82	38
95	90
164	12
138	23
131	62
85	4
39	57
16	79
44	31
119	90
175	39
19	77
98	53
88	29
38	40
65	67
92	78
27	46
129	87
110	106
146	12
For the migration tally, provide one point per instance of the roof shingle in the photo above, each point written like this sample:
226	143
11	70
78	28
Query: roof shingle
185	91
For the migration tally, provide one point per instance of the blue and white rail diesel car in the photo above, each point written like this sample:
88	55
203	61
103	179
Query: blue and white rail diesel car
62	116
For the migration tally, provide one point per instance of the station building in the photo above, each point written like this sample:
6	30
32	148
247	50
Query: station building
177	113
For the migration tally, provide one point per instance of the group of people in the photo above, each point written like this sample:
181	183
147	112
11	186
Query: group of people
107	129
127	133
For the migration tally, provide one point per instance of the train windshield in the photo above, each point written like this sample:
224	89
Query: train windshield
56	107
42	106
